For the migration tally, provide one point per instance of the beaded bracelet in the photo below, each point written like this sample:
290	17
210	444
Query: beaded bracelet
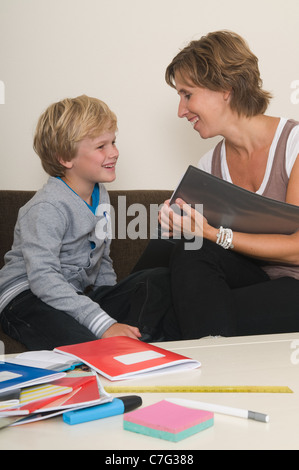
225	238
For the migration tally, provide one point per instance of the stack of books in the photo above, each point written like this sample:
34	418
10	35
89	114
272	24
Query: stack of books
30	394
42	384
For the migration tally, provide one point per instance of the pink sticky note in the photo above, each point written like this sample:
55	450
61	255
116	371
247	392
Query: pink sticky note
168	418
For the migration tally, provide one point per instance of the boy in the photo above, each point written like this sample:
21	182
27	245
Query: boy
59	254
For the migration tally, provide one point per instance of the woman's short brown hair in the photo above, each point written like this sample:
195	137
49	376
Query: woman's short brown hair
222	61
64	124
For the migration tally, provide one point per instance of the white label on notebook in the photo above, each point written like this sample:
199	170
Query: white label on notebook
6	375
134	358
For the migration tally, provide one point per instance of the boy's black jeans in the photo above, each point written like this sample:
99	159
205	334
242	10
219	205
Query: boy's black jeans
143	300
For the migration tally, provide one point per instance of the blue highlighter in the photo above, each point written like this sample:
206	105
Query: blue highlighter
117	406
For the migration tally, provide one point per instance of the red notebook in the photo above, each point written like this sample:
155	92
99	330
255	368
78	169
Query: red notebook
121	357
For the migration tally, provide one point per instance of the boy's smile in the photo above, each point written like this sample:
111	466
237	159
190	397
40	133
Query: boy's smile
94	162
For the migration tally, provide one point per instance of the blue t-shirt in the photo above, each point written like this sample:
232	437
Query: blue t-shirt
95	200
95	197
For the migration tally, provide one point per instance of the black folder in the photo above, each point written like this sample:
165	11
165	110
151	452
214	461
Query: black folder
233	207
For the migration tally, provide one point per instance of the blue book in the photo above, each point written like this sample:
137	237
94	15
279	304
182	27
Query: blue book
14	376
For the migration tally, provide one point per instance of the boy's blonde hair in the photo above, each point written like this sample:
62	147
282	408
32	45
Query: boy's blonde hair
64	124
222	61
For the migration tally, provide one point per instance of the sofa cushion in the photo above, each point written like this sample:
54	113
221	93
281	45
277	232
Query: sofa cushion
10	203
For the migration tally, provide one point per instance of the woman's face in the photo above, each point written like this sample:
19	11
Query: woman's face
205	109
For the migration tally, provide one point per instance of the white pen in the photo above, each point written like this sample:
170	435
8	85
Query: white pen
227	410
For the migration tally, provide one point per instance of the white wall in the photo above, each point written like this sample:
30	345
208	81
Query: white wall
117	50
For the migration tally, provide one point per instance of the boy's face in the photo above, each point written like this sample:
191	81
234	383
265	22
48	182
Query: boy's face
95	160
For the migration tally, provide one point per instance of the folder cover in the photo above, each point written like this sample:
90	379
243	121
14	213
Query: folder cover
14	376
227	205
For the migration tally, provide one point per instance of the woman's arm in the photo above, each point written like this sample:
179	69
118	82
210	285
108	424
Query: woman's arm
272	248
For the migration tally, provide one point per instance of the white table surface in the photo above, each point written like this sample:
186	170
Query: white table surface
253	360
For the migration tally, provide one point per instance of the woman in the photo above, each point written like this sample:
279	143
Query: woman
252	286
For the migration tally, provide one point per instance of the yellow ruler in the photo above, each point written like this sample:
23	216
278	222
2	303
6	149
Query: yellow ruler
198	389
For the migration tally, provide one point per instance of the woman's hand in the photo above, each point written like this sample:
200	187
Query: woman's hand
189	223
